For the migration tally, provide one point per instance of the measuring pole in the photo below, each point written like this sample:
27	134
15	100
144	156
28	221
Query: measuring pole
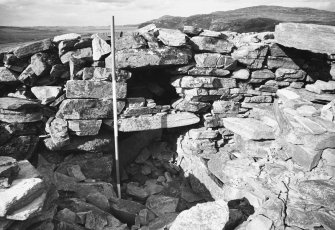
116	133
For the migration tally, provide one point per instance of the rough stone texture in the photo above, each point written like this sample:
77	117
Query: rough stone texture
100	48
31	48
211	44
12	103
85	127
203	82
215	60
46	94
161	205
157	122
200	71
7	76
129	40
316	38
167	56
87	109
249	128
172	37
59	132
320	87
66	37
94	89
211	216
253	55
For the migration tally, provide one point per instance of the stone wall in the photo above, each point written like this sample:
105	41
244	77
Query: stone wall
259	113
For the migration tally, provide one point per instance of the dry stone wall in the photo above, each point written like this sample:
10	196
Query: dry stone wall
258	109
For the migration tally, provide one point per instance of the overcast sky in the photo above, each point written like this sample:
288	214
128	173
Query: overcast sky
98	12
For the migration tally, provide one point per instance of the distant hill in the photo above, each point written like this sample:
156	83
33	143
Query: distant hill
14	35
250	19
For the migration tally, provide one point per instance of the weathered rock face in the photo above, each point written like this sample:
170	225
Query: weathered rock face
316	38
133	58
211	44
87	109
211	215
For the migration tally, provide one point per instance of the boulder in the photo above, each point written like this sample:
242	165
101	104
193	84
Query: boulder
171	37
32	48
316	38
100	48
126	210
94	89
87	109
242	74
306	157
192	30
320	87
167	56
249	128
210	215
66	37
211	44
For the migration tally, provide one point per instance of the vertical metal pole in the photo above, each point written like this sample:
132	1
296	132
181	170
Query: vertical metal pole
117	163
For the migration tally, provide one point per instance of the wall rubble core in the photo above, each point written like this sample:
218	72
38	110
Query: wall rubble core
205	116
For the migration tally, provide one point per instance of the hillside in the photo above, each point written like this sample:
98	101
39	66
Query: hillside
250	19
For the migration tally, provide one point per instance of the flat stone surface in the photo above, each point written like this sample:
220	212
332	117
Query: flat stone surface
319	192
167	56
203	82
13	103
306	157
104	74
320	87
263	74
129	40
285	63
87	109
215	60
192	30
66	37
85	127
46	94
126	210
311	126
171	37
212	44
316	38
260	222
21	193
157	122
191	106
20	116
203	133
33	47
29	210
242	74
8	76
161	205
210	215
201	71
94	89
252	55
249	128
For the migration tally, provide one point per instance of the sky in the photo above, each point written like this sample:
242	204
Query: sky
99	12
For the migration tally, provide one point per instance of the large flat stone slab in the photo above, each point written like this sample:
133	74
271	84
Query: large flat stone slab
94	89
316	38
136	58
20	194
33	47
13	103
87	109
249	128
211	44
157	122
